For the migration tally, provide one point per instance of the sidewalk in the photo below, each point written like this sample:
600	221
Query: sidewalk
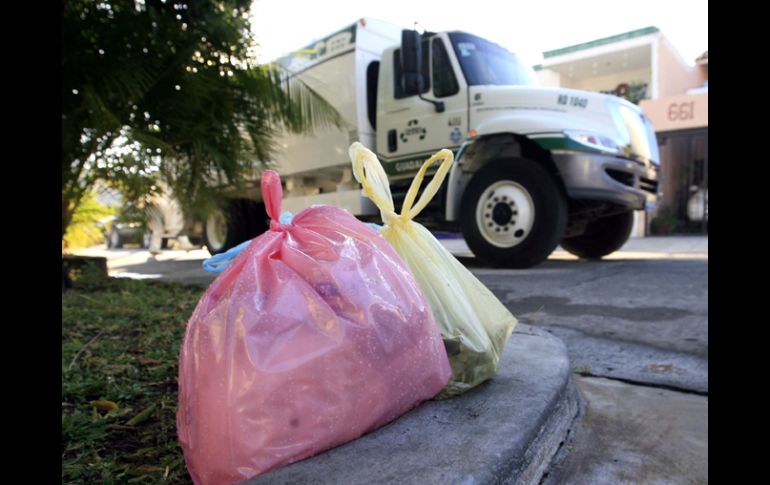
669	244
654	247
138	263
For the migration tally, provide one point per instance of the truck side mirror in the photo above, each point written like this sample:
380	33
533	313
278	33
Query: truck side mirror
411	67
411	62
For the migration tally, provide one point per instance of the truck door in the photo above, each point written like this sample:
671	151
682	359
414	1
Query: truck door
410	129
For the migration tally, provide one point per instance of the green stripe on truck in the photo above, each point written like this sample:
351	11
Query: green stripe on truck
563	143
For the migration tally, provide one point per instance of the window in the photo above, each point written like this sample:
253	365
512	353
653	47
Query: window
483	62
398	69
372	73
444	80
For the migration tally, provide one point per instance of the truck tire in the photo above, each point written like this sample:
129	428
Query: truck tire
602	236
241	220
114	241
147	238
513	213
220	231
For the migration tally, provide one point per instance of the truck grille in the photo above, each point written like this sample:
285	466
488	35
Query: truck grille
624	178
648	185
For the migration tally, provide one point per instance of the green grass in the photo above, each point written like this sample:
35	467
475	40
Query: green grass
120	344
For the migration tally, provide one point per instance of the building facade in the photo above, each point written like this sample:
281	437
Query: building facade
645	68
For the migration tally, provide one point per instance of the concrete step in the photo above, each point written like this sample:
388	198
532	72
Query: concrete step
505	431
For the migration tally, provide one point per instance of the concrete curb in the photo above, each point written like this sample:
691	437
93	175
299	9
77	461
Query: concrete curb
554	432
505	431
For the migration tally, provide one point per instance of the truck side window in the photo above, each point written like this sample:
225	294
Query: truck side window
397	69
372	73
444	80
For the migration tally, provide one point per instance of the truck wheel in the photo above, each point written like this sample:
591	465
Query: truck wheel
219	232
602	236
244	220
513	214
114	241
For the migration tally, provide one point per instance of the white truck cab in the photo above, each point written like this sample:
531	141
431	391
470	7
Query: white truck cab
536	167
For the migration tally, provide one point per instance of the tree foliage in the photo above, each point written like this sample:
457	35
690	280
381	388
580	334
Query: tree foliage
88	222
167	90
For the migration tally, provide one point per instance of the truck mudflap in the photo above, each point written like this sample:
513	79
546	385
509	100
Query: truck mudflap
607	178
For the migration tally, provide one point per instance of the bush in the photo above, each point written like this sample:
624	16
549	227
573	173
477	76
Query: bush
664	223
87	226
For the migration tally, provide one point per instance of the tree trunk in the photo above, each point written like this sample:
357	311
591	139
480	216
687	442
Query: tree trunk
67	211
66	282
66	217
70	200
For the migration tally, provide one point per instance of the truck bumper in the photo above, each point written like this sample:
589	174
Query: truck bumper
607	178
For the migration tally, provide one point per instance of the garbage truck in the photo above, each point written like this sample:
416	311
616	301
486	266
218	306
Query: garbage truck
536	167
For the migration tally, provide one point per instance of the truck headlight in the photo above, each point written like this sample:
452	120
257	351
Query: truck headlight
593	140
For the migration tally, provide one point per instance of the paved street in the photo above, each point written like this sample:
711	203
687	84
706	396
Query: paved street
636	328
635	434
641	320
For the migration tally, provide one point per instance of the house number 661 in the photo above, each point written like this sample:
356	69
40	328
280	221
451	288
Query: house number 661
681	111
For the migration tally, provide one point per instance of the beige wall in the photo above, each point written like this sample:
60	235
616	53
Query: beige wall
566	82
675	78
549	78
677	112
611	81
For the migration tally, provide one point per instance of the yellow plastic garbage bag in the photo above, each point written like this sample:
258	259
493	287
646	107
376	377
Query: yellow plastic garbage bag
475	325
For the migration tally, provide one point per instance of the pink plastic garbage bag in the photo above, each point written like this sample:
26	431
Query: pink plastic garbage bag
314	334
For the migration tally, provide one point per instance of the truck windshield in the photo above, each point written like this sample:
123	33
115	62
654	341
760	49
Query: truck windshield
483	62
